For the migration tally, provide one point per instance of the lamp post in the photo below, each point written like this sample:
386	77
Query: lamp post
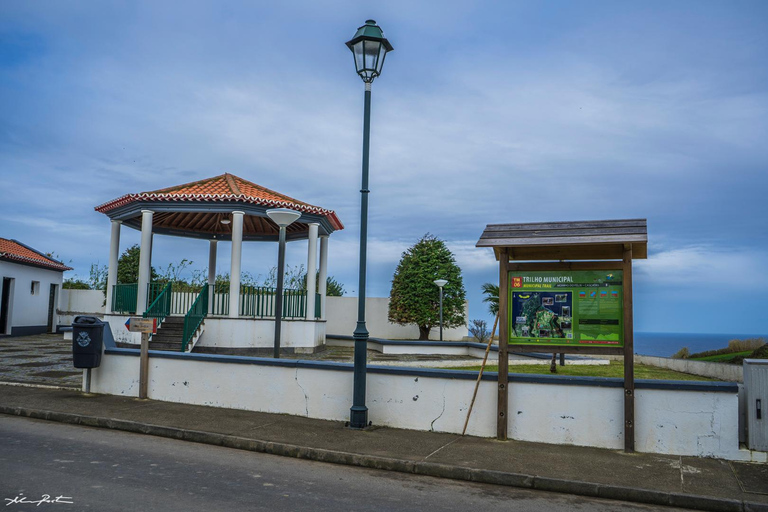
369	47
440	283
283	217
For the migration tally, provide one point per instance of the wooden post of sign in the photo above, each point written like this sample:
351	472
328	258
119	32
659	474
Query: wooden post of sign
144	366
629	353
503	403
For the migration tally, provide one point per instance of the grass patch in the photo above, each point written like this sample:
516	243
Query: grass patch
614	369
723	358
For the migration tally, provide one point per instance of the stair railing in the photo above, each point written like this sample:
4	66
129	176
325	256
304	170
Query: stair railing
161	306
195	317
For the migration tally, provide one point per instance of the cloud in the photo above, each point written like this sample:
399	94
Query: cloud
705	267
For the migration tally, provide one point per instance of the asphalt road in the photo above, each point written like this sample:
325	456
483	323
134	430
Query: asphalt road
104	470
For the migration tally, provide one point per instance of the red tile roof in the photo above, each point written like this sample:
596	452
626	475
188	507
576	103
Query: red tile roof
226	187
14	251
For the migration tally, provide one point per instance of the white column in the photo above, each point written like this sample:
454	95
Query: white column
311	270
323	277
211	274
145	261
234	269
114	253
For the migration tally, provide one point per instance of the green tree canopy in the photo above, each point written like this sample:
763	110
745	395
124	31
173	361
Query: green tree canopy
128	266
415	299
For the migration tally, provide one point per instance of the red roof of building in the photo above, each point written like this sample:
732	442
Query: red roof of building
226	187
15	251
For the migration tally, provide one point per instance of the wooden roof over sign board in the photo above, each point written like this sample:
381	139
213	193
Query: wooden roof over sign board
580	240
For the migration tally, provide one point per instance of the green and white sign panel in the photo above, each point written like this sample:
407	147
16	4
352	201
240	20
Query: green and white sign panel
572	307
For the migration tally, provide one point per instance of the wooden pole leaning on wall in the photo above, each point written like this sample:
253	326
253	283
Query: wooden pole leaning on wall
480	374
144	366
629	353
503	379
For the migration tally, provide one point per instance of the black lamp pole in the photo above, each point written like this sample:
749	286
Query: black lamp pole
283	217
369	48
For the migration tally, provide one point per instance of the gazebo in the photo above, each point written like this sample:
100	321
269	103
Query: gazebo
231	319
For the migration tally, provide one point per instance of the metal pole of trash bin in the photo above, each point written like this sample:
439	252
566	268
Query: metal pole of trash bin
87	380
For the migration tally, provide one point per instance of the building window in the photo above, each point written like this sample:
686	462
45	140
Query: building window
35	288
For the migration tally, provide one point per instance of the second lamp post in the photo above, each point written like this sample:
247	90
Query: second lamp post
283	217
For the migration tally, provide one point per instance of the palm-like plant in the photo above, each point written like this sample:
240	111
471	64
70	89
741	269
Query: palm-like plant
491	292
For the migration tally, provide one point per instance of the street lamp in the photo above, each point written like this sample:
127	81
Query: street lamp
283	217
369	47
440	283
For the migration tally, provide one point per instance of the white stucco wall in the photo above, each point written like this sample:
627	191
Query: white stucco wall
28	310
341	314
698	423
251	333
73	303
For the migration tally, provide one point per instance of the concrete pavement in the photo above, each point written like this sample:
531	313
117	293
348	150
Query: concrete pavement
688	482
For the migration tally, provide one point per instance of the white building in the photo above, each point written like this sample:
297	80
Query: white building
29	289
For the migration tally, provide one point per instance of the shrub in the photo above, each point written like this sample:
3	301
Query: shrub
733	347
479	330
683	353
744	345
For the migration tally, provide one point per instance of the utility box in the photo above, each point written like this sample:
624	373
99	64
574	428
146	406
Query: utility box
756	385
87	341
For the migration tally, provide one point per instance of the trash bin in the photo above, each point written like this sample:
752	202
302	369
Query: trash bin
87	341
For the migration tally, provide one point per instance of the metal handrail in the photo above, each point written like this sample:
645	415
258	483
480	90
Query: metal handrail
161	306
195	317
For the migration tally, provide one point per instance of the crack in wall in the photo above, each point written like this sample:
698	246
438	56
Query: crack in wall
306	398
432	425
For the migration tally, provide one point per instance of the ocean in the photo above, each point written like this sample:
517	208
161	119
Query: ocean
664	344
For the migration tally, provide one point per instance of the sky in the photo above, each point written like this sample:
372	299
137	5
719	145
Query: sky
485	112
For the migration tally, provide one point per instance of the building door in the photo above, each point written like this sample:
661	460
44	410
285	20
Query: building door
5	305
51	307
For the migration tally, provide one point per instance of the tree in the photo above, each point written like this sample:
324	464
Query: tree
128	266
333	288
415	299
491	292
72	283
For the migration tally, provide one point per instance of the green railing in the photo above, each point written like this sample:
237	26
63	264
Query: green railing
294	303
259	302
318	305
255	301
195	317
124	298
160	307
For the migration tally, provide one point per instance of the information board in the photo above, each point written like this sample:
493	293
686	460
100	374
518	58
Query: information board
571	307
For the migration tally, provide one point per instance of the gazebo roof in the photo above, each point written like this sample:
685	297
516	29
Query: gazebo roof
196	210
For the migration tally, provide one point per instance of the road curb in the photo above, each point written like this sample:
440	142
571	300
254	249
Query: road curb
433	469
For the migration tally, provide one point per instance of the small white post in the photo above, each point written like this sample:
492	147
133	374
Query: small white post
311	270
323	277
234	272
145	261
114	253
212	247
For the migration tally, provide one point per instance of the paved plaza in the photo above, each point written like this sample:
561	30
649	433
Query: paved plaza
43	359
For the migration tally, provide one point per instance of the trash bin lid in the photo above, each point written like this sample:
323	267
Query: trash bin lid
86	320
